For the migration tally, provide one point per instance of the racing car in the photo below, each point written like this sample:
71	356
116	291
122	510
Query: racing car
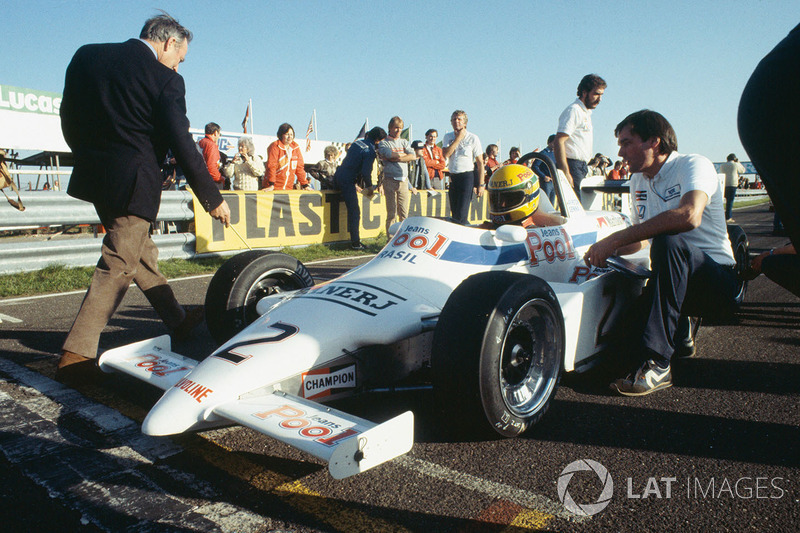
489	318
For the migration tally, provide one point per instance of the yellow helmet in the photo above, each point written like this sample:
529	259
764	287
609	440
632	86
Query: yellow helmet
513	194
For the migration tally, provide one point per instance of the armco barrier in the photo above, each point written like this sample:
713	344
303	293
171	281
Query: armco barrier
58	209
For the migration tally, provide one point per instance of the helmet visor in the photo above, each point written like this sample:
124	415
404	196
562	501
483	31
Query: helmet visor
504	200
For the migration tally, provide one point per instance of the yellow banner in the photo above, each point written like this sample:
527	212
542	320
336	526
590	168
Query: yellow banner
288	218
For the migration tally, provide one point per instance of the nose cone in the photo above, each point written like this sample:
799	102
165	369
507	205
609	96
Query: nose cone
175	412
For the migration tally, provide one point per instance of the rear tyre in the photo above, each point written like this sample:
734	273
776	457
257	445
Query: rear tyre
498	351
242	281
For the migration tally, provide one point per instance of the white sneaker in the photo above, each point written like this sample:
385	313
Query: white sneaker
649	378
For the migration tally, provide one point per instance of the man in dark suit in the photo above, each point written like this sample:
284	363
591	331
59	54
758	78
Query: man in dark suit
123	107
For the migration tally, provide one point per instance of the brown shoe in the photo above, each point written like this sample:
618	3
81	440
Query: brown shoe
194	317
74	369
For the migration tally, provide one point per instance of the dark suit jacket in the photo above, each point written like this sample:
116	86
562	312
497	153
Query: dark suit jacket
121	111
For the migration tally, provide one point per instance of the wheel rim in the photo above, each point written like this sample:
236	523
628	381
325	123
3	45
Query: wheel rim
529	362
273	281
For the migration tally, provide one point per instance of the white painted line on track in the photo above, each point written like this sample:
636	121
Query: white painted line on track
93	480
521	497
9	319
23	299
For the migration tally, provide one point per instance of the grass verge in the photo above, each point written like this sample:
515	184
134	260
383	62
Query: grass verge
60	278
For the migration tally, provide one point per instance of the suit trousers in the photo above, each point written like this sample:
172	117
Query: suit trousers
460	193
398	200
127	254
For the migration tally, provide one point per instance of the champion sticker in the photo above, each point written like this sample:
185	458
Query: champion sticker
327	381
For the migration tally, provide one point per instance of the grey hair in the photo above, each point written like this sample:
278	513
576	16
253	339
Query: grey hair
247	142
331	150
160	28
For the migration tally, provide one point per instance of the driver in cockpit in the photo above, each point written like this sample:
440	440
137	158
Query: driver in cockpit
515	198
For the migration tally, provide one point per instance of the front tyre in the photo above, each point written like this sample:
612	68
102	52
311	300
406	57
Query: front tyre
242	281
498	351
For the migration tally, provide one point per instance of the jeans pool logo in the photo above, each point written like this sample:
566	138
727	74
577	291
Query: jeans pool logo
585	509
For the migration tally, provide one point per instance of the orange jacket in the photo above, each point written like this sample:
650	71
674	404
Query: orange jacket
433	161
284	163
211	155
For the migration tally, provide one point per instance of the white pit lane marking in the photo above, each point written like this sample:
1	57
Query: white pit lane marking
521	497
9	319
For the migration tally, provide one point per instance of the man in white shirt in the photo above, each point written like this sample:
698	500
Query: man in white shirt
677	204
464	151
574	137
731	168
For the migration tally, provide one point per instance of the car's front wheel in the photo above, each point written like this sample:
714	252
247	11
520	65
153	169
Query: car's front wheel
498	351
242	281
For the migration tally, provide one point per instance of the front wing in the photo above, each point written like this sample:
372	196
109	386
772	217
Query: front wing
348	444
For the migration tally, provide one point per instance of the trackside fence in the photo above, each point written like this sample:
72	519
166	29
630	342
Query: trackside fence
45	209
52	208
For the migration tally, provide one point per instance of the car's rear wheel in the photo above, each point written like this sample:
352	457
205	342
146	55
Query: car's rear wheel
498	351
242	281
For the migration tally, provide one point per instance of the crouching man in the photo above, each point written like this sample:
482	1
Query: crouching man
677	205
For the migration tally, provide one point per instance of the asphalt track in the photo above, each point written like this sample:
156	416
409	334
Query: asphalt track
719	451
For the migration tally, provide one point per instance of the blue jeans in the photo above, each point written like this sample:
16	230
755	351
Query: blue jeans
730	194
350	197
549	189
578	170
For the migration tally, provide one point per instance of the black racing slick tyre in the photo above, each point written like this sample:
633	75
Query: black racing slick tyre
498	351
242	281
741	252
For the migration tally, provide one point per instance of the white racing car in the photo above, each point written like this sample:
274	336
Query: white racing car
489	318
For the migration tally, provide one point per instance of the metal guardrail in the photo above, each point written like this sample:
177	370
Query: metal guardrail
52	208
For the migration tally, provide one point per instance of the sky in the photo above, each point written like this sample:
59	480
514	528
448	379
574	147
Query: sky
512	66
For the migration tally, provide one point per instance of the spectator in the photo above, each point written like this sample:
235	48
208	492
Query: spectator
246	169
357	167
574	138
732	169
395	153
614	174
285	162
624	174
325	169
541	170
420	178
210	148
513	156
491	162
123	107
781	265
463	151
598	164
677	203
434	160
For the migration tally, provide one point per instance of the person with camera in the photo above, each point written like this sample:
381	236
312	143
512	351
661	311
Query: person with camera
246	169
